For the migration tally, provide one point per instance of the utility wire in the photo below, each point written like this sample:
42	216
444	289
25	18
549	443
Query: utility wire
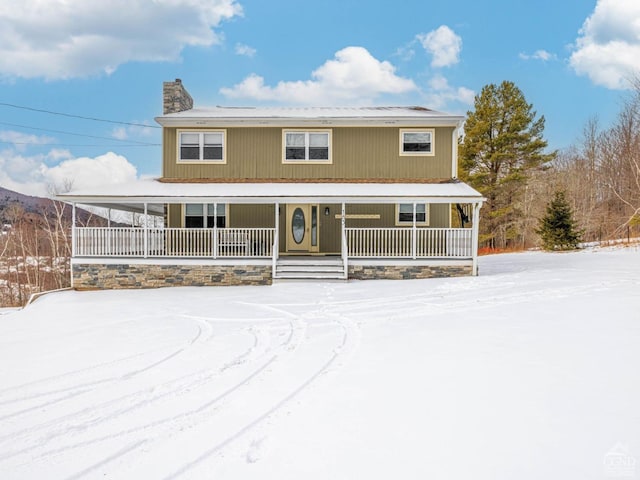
78	134
80	144
22	107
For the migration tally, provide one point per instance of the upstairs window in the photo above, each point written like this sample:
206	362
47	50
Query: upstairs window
195	217
404	214
312	146
201	146
416	142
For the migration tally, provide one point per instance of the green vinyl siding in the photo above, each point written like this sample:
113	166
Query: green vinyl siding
251	216
356	152
175	216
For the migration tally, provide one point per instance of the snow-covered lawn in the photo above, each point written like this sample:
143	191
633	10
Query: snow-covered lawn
529	371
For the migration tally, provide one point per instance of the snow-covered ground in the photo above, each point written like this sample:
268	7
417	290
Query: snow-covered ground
529	371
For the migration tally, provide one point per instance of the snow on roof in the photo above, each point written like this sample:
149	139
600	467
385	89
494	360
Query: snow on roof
153	191
330	114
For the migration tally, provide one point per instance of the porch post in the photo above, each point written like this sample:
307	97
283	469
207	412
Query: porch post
474	237
73	231
344	247
108	218
215	228
276	239
414	234
146	230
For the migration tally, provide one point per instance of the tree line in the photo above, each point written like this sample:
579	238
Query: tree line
503	154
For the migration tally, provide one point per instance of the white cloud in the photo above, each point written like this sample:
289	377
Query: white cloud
244	50
542	55
21	140
58	39
441	94
31	174
443	44
608	48
128	131
406	52
353	76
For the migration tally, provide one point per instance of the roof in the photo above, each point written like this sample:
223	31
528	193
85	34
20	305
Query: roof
285	116
126	196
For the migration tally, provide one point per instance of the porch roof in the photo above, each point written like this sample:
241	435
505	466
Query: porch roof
130	196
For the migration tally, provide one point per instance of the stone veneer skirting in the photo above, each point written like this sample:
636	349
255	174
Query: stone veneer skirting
406	272
96	276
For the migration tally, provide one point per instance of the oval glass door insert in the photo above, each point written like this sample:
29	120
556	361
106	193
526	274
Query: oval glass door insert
298	225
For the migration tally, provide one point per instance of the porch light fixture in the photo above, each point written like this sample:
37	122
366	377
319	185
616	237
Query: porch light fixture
326	211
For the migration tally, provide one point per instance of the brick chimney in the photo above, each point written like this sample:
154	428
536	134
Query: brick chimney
175	98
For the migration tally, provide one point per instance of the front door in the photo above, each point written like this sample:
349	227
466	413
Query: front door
302	228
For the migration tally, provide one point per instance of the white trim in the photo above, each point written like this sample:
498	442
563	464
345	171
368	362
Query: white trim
432	134
411	262
306	161
169	261
154	192
474	237
454	153
201	133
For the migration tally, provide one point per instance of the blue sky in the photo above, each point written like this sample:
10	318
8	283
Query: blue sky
572	59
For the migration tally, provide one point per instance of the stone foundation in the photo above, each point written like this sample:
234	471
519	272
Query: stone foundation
120	276
405	272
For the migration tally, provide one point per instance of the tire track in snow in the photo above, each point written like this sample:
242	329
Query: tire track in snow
85	387
81	389
350	337
64	427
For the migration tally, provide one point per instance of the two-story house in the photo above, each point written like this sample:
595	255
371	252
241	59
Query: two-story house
248	195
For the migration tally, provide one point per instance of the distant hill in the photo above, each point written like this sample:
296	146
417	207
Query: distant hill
36	206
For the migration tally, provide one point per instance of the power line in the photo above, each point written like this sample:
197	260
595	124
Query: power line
77	134
80	144
77	116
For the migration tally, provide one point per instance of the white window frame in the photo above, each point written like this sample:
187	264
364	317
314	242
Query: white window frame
409	223
205	214
307	161
201	134
430	131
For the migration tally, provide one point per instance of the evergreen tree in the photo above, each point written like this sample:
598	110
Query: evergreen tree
557	228
502	146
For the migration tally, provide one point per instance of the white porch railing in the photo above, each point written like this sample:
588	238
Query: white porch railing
260	242
173	242
399	242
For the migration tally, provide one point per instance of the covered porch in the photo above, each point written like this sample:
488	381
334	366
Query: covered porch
328	230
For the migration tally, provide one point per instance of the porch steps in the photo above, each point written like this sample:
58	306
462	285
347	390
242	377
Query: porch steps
314	268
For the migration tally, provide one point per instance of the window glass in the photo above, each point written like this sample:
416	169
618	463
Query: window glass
195	216
189	146
319	140
405	213
220	219
212	146
295	139
307	146
295	146
194	209
207	146
190	138
416	142
318	146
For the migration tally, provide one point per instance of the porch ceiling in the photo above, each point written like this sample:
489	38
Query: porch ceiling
133	195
